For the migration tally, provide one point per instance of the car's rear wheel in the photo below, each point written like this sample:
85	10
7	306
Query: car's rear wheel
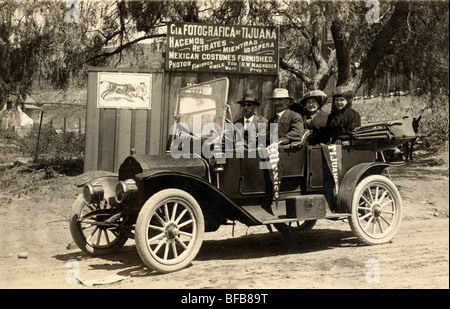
91	231
169	230
290	228
376	210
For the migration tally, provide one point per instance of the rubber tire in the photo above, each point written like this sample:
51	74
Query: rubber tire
144	217
80	240
353	219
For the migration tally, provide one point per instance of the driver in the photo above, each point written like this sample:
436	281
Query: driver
249	120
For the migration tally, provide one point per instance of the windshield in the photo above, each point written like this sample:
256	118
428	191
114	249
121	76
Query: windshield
202	107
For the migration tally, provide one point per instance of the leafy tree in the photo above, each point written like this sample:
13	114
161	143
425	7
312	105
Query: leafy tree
357	45
420	51
38	44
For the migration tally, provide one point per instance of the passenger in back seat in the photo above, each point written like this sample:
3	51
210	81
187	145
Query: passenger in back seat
342	120
314	118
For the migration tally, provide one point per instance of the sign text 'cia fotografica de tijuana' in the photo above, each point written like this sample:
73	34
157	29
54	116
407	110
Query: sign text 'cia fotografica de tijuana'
222	48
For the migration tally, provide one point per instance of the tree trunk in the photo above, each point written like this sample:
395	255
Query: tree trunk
342	52
356	78
380	45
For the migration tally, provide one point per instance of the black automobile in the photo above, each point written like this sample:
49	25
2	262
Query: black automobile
206	178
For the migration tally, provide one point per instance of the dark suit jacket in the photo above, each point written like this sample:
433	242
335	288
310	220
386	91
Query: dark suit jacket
256	120
290	127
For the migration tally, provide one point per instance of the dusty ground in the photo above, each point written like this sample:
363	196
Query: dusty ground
329	256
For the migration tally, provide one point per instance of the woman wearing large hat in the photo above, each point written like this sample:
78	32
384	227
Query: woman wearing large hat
343	119
314	118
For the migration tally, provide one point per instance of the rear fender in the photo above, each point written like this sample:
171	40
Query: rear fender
351	180
216	206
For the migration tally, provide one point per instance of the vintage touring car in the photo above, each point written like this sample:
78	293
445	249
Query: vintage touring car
167	202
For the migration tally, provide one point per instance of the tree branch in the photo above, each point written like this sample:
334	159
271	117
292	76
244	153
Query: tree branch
324	74
301	75
124	46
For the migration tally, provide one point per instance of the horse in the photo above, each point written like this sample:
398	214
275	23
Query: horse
408	146
128	90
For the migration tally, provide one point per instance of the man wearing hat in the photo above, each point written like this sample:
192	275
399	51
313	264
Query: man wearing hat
290	123
249	119
342	119
314	118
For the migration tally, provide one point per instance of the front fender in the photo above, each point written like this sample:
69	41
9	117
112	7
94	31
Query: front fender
351	180
108	180
216	206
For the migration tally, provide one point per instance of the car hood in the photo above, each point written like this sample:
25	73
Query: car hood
144	165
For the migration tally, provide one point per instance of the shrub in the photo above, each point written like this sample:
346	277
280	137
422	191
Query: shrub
9	148
54	148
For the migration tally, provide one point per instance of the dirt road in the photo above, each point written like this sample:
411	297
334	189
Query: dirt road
329	256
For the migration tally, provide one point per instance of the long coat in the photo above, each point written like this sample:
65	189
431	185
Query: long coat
317	125
341	123
290	127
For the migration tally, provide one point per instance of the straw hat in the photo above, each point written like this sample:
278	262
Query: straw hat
280	93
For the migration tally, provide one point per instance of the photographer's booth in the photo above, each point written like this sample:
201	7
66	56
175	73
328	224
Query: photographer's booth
131	110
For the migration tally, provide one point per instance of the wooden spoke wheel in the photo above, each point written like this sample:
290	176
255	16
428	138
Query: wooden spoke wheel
169	230
376	210
94	229
290	228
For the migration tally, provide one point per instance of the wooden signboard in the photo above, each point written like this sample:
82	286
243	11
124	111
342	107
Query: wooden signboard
131	108
222	48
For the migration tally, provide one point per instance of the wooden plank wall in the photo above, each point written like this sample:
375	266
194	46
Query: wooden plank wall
112	133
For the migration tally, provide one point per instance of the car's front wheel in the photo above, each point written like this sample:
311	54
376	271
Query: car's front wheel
169	230
92	230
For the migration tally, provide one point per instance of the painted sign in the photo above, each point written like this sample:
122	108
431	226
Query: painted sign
124	90
222	48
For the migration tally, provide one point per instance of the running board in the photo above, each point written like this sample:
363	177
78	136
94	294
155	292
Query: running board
293	209
284	220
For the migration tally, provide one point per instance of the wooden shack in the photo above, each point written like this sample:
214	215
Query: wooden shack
112	131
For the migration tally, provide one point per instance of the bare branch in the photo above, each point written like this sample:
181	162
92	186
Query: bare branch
124	46
300	74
